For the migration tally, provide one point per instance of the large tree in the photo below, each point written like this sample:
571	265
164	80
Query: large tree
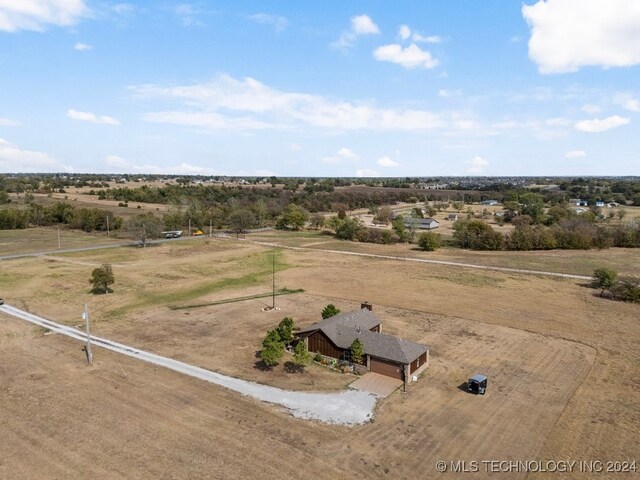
430	241
293	217
240	220
143	227
101	278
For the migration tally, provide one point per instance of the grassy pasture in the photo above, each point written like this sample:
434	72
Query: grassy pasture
562	364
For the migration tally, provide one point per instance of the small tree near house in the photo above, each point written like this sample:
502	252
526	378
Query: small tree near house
357	351
285	330
301	355
330	311
101	278
272	349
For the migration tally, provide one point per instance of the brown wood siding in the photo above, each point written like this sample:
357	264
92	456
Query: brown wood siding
414	365
385	367
318	342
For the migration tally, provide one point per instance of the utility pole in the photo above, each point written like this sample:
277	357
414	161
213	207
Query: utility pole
210	229
59	246
107	224
189	226
87	348
273	281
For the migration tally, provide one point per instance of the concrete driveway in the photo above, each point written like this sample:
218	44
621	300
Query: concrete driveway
380	385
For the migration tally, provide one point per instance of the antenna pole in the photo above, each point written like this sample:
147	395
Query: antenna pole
273	277
85	315
59	246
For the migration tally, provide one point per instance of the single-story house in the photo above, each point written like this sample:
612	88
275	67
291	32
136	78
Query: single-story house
489	202
384	354
599	203
421	223
453	217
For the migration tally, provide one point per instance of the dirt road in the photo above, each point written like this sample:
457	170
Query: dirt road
347	407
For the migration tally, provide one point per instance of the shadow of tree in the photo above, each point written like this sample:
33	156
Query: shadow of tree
291	367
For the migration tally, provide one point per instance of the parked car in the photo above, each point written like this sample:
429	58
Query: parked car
477	384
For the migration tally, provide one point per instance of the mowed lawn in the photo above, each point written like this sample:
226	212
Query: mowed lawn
562	364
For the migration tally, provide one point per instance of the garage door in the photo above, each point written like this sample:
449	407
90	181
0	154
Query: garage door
387	368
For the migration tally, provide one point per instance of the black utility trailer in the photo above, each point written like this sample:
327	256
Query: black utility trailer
477	384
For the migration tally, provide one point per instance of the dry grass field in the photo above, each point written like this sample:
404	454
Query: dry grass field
13	242
562	364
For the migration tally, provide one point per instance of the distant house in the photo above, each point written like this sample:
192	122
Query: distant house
489	202
452	216
420	223
384	354
578	202
599	203
613	204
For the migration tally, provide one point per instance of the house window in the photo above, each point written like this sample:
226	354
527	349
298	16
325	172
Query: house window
345	355
418	362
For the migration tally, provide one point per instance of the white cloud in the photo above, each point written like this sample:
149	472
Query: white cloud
348	154
597	125
121	165
367	172
35	15
590	108
189	14
7	122
248	104
404	31
13	159
92	117
363	25
409	57
82	47
278	22
387	162
575	154
628	102
342	154
294	147
360	25
428	39
477	165
569	34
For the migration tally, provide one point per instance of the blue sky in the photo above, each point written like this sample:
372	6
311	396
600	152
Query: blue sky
321	87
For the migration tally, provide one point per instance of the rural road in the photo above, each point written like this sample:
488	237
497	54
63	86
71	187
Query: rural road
302	249
349	407
419	260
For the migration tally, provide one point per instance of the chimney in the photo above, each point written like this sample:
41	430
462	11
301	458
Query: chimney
366	305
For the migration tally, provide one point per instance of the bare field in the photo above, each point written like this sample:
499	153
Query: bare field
562	366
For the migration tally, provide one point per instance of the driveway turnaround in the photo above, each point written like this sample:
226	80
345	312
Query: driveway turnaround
380	385
349	407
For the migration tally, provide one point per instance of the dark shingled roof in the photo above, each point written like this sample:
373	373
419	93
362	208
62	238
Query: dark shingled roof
344	328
